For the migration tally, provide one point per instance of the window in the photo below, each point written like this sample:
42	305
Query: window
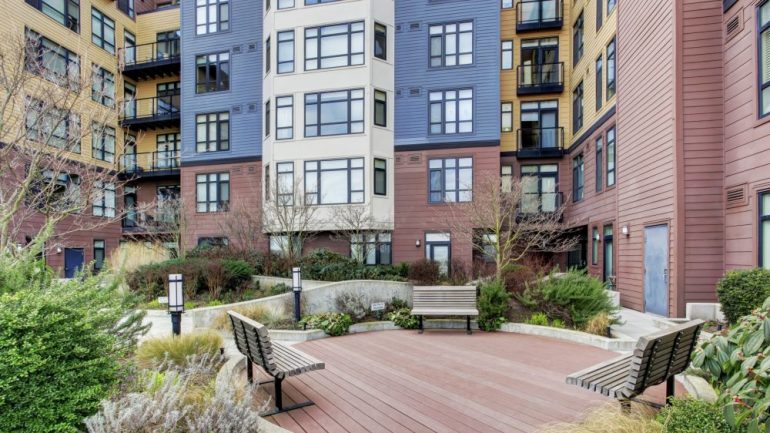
371	249
129	47
104	199
213	72
577	39
599	14
284	117
267	5
599	83
380	41
764	230
599	164
506	116
212	193
285	52
539	184
212	132
506	4
611	6
763	12
380	108
64	12
103	142
450	180
285	4
316	2
102	31
611	156
99	254
334	46
167	150
213	241
268	56
267	181
578	178
451	44
611	69
52	126
334	113
336	181
167	44
212	16
285	183
540	126
506	56
506	178
285	245
127	7
451	111
380	176
609	270
52	61
103	86
595	246
577	107
267	118
438	248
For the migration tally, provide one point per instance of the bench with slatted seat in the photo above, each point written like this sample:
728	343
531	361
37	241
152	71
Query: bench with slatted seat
657	358
445	301
277	360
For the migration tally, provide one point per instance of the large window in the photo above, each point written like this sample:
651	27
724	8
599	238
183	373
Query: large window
506	116
267	118
577	39
102	86
380	176
506	55
212	16
334	113
268	55
212	192
539	185
599	98
65	12
104	199
129	47
451	111
336	181
595	240
99	254
167	44
102	31
611	69
577	107
285	52
52	61
285	183
103	142
284	117
764	58
52	126
380	41
380	108
506	178
212	72
371	249
764	230
611	156
212	132
578	178
540	125
599	164
451	44
450	180
334	46
127	7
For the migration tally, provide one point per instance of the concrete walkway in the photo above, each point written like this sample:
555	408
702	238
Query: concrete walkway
160	323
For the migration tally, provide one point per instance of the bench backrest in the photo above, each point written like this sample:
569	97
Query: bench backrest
444	297
661	355
252	340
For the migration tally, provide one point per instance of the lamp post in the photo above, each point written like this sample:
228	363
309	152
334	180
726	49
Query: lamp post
175	302
296	285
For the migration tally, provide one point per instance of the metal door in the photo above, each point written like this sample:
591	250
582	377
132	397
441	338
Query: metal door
656	270
73	261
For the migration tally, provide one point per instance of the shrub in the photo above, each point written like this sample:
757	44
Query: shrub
689	415
403	318
493	306
150	280
397	304
610	419
599	324
255	259
217	276
258	313
557	324
352	305
334	324
177	350
573	298
424	272
240	273
277	289
539	319
741	291
458	273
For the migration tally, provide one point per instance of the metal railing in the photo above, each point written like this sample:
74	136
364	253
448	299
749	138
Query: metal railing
541	202
141	221
539	14
541	77
541	139
154	52
159	107
164	161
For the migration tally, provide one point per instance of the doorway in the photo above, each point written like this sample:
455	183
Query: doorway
73	261
656	280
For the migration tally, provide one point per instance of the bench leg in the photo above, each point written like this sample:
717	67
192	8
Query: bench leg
670	385
279	407
421	326
249	371
468	325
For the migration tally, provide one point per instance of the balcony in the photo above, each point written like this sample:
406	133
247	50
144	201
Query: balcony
541	78
534	15
540	143
149	61
151	113
141	222
150	164
539	203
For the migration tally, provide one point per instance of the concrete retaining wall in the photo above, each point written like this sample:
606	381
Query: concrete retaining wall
618	344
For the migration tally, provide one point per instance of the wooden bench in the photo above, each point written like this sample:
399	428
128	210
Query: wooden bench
657	358
444	301
276	359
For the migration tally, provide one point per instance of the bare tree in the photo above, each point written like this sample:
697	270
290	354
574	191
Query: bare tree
356	224
167	222
242	224
289	216
54	114
509	223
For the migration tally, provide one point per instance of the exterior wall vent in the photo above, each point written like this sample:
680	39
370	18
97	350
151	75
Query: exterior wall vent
399	28
252	47
237	49
733	26
736	196
399	92
415	158
252	169
399	160
252	108
413	27
237	109
414	91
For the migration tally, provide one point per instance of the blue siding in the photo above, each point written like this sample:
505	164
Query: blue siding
413	71
245	80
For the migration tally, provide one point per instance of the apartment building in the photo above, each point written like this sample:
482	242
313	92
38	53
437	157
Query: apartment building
646	121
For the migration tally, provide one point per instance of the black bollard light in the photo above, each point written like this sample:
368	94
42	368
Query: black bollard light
296	283
175	302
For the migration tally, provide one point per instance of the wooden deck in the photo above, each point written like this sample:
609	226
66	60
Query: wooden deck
441	381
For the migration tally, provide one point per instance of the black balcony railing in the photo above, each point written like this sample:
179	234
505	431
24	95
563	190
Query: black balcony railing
540	203
157	112
139	222
541	78
534	15
146	61
540	142
161	163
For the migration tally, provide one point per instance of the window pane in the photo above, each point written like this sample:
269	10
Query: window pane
334	187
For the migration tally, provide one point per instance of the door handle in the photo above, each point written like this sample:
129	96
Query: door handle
665	275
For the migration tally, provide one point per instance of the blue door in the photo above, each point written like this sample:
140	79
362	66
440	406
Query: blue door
73	261
656	270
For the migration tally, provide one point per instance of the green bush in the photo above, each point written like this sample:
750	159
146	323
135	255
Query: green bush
493	306
240	272
334	324
403	318
277	289
741	291
177	350
425	272
539	319
397	304
689	415
255	259
574	298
